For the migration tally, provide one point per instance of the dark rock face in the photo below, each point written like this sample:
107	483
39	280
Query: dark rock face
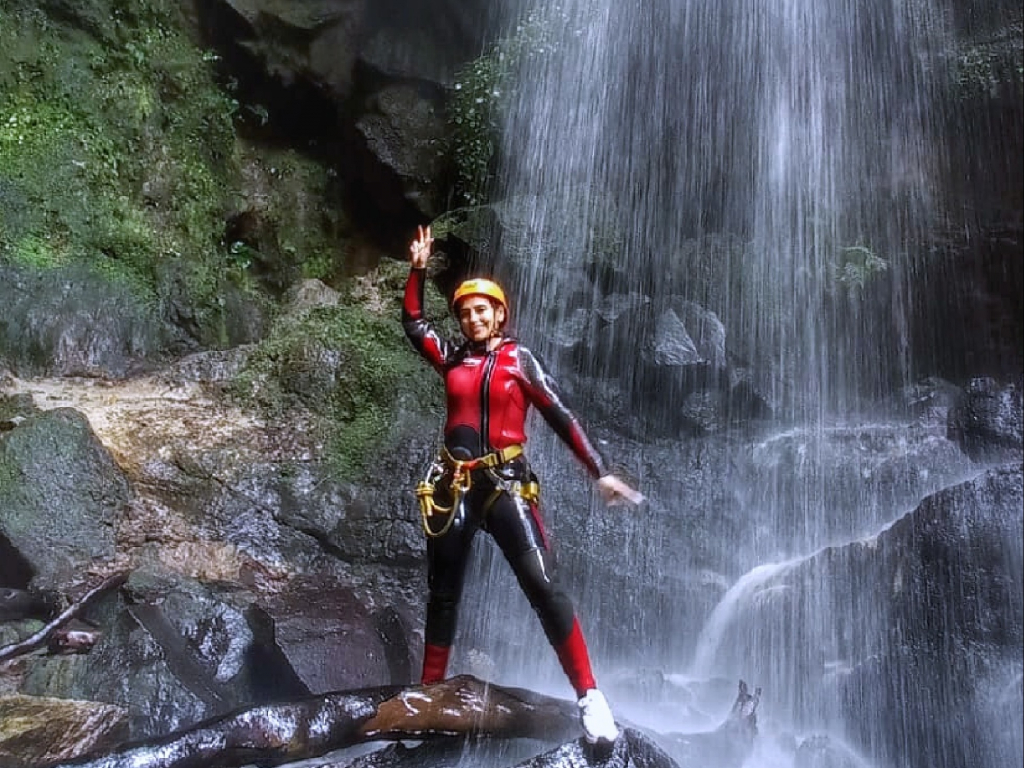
334	641
70	322
986	420
239	320
61	497
16	604
173	652
311	43
362	85
425	40
404	132
631	750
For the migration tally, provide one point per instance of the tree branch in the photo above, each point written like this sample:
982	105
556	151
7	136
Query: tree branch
40	638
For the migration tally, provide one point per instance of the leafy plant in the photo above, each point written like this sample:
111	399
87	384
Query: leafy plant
855	265
482	89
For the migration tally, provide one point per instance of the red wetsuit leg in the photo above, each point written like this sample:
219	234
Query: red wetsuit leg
435	663
575	660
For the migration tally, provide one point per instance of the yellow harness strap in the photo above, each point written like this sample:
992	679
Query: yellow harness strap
462	480
487	461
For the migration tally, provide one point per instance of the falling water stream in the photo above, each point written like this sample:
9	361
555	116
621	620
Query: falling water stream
772	163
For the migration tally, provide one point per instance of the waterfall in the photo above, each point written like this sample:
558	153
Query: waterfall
743	187
712	636
765	160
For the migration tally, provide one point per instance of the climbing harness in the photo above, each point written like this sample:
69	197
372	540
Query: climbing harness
460	472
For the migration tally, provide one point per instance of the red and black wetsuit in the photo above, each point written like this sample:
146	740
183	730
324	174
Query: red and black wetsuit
488	394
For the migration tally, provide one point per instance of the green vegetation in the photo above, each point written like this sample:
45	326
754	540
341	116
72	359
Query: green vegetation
115	147
855	265
118	151
482	90
350	367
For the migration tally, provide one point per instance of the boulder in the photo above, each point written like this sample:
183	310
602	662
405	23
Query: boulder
172	652
72	321
61	497
37	731
937	612
334	641
310	43
404	132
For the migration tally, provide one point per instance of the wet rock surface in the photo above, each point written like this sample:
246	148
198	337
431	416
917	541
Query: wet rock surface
37	731
442	716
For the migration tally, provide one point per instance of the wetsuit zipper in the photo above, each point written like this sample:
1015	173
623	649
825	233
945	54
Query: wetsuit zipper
485	442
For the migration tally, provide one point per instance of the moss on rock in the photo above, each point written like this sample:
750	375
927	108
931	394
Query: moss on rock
117	148
352	366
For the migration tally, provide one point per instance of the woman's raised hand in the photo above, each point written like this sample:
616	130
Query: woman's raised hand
420	248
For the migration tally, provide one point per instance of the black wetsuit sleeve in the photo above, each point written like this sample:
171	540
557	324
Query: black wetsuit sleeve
421	332
545	396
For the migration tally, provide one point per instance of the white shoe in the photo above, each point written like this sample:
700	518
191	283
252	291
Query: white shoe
596	717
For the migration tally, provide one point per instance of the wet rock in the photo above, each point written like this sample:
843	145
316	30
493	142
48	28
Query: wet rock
37	731
18	604
942	588
613	306
930	399
631	750
314	43
238	317
297	516
172	653
823	752
73	322
571	331
988	421
334	641
427	40
687	333
61	498
672	344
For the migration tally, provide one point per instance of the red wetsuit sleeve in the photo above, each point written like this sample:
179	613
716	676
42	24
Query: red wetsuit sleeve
543	393
421	333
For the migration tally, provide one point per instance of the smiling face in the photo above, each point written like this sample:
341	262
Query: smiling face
479	318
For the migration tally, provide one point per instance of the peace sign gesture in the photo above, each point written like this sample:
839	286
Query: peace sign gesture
420	248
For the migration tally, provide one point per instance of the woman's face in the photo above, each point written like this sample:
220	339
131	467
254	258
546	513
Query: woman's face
479	319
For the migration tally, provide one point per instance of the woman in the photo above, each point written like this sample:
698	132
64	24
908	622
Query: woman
482	479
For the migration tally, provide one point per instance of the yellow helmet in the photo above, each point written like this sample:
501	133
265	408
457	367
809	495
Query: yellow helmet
480	287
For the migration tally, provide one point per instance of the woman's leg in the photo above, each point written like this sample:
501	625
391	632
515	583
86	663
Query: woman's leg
517	528
447	556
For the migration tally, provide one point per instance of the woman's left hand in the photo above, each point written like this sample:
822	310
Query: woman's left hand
615	492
